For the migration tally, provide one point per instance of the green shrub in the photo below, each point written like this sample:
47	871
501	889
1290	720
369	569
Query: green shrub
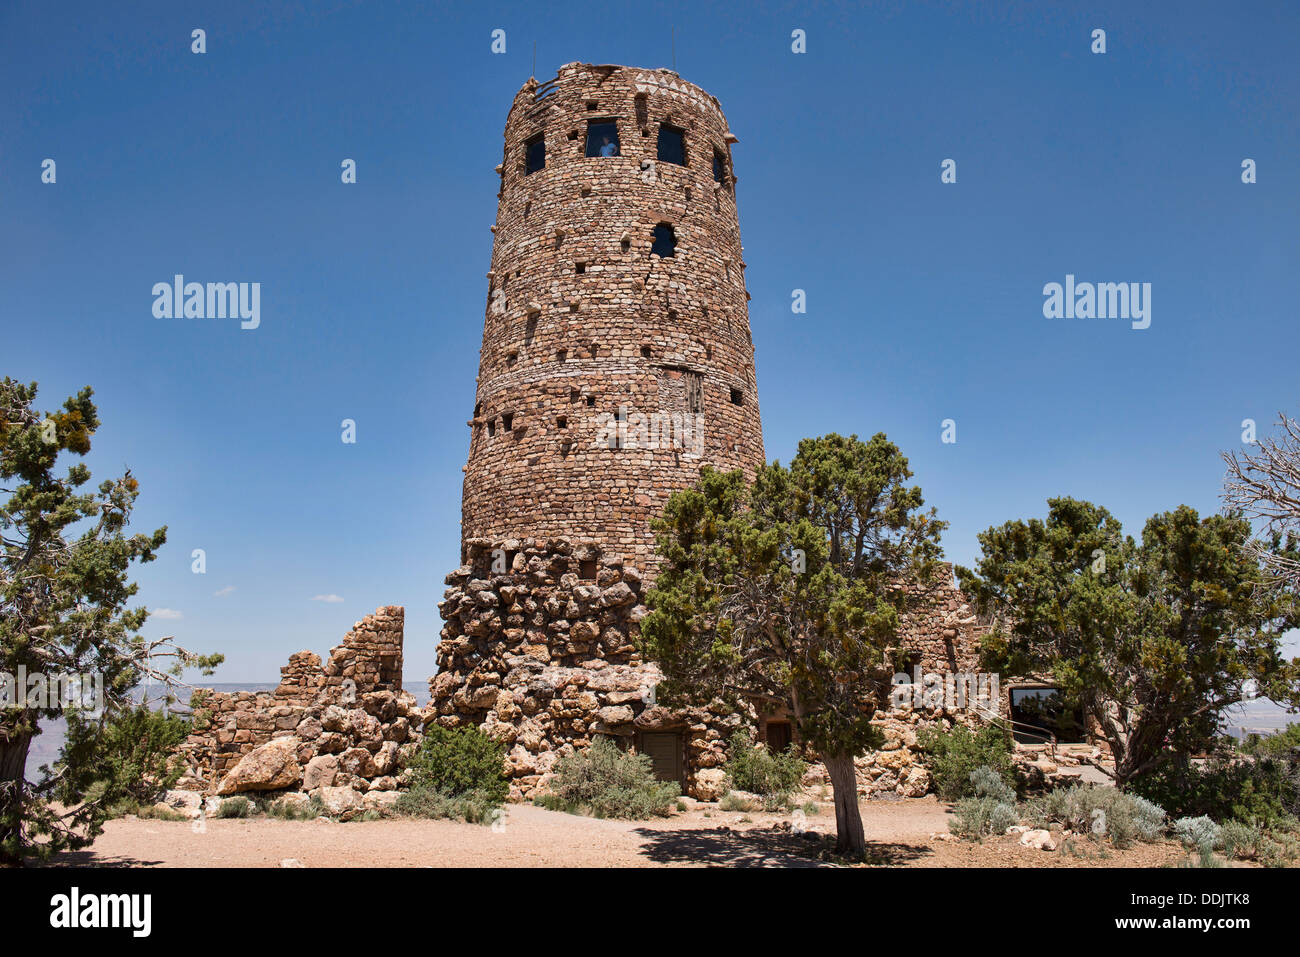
460	761
1101	811
1278	746
474	807
991	809
734	801
951	756
132	754
1198	832
606	782
296	810
774	777
235	807
1261	790
1242	841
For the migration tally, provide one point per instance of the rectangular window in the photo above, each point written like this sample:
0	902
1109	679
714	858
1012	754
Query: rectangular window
719	167
602	138
672	145
694	391
535	154
1040	713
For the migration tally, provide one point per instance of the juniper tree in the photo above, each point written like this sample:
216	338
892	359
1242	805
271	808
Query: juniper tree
1152	639
790	591
65	555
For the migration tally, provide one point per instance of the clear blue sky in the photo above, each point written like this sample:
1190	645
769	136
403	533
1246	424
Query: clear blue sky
924	299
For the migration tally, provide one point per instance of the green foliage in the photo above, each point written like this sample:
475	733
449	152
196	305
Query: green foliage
1241	841
235	807
735	801
1152	639
952	756
1259	790
789	589
471	806
604	781
64	593
773	776
296	810
1280	746
1100	811
990	810
1197	832
458	761
133	752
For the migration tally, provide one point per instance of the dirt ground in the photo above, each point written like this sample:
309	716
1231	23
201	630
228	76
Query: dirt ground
904	833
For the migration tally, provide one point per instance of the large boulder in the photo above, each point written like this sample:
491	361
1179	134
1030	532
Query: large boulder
272	767
709	784
339	802
321	772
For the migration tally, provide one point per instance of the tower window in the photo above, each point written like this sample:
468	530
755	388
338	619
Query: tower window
645	352
579	268
665	241
719	167
591	401
561	422
737	397
492	427
507	420
672	145
602	138
535	154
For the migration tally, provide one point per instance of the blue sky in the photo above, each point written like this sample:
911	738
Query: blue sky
924	299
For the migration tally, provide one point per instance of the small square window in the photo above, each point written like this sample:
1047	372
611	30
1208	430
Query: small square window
535	154
737	397
587	569
602	138
579	268
672	145
591	401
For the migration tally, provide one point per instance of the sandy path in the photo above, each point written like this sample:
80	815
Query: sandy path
898	834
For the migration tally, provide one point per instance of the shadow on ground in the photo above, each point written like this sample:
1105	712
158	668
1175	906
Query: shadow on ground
723	847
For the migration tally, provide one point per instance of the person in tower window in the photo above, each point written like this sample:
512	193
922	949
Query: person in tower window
608	148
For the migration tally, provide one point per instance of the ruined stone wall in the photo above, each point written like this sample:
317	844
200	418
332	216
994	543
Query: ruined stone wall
345	723
940	626
582	320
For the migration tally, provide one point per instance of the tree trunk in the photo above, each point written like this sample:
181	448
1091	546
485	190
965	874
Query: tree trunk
13	762
850	840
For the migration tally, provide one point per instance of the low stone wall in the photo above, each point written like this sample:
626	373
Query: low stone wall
346	723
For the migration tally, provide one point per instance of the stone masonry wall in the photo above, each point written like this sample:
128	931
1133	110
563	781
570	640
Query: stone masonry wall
543	659
346	723
583	321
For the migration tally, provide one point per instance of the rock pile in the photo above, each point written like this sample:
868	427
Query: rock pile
345	726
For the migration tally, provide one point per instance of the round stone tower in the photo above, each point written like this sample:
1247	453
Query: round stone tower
616	356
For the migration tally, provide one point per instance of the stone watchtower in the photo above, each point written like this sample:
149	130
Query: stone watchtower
616	353
616	362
